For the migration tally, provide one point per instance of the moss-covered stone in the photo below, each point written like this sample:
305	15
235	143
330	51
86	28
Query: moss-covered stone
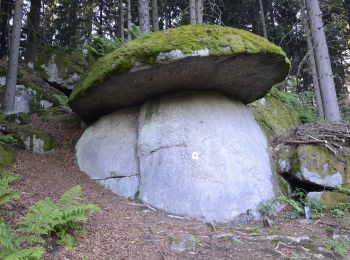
318	165
285	156
217	40
7	156
34	140
19	118
68	61
279	111
283	186
328	199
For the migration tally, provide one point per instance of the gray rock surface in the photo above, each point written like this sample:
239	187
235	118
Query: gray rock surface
54	77
125	186
197	154
107	149
201	72
313	166
25	97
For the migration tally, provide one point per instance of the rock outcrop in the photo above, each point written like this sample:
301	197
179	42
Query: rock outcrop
174	130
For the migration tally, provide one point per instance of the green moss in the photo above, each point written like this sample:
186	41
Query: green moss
68	61
322	161
332	200
274	117
19	118
145	49
283	186
280	111
7	156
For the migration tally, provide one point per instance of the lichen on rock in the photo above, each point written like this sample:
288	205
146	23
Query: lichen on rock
319	166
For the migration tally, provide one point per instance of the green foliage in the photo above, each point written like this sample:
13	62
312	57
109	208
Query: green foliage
317	208
45	219
6	193
10	246
306	113
60	100
339	246
134	31
48	218
343	190
267	209
101	46
9	139
337	213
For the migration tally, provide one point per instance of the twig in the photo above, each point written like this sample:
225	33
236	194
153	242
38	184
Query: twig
155	244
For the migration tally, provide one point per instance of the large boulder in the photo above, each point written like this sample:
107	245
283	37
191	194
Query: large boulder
175	130
196	154
202	57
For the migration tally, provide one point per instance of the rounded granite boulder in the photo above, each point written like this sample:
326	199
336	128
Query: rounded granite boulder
195	57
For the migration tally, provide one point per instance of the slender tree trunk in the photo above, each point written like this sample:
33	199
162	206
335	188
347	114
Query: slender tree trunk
312	61
33	31
100	29
327	86
89	19
144	19
8	103
199	11
193	17
129	19
347	10
155	18
263	20
5	10
121	21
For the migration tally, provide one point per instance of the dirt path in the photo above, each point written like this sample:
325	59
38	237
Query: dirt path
127	230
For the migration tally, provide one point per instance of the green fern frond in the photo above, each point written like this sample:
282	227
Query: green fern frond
71	197
66	240
7	240
34	253
6	193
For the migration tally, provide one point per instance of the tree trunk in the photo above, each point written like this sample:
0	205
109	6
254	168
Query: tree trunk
8	103
89	16
193	16
129	19
33	31
155	18
327	86
199	11
347	10
121	21
5	11
100	26
144	20
263	21
312	61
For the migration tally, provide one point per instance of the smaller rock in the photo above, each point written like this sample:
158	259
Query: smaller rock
186	243
329	200
316	165
35	141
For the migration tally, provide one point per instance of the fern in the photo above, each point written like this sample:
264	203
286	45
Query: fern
8	139
66	240
6	193
47	218
10	249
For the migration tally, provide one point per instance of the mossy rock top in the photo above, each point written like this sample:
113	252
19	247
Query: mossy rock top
195	57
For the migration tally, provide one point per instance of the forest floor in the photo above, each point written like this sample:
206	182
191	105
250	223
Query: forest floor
126	229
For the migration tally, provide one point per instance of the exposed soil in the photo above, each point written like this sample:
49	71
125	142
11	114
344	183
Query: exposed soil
127	229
